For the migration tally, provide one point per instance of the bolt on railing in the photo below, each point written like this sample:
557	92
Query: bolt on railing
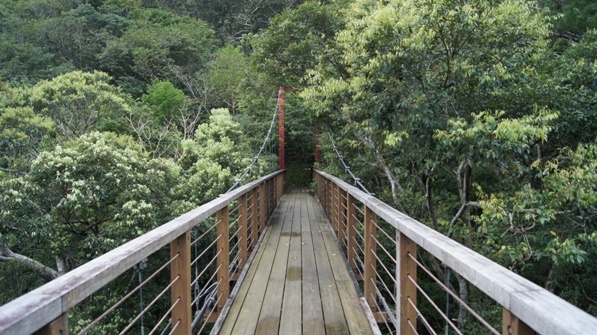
387	252
219	236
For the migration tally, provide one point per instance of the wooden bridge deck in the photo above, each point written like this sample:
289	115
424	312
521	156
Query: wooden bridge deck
298	282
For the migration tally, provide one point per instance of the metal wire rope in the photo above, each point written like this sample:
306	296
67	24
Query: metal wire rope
263	146
357	181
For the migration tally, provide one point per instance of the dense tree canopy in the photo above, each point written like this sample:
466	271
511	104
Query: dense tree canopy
477	118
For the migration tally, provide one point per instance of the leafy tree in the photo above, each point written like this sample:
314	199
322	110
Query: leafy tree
80	200
449	99
80	35
575	17
77	102
215	158
160	45
22	58
165	100
225	76
296	41
23	134
231	19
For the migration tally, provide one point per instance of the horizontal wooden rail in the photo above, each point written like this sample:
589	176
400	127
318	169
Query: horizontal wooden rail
45	308
528	308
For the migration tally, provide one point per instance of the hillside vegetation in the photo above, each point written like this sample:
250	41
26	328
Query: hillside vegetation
476	117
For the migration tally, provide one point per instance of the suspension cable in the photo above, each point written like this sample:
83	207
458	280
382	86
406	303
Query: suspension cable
263	146
357	181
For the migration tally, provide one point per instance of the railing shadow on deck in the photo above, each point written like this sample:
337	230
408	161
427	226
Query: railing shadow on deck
388	271
219	235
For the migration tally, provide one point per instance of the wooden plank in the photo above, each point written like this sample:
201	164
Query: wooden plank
262	207
246	322
291	316
353	310
370	262
180	292
254	222
408	291
512	325
351	247
342	230
243	231
313	322
269	318
242	294
333	314
56	327
223	258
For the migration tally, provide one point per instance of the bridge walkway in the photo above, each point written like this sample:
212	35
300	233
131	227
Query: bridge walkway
298	282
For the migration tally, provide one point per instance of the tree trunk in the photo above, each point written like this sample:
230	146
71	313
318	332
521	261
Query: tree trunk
463	284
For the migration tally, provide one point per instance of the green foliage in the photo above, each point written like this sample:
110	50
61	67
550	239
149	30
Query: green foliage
226	74
90	196
23	134
296	41
575	17
78	102
463	107
166	101
160	45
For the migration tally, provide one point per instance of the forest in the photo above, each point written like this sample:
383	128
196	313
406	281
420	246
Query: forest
475	117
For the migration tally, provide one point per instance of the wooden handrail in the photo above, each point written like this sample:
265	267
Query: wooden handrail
526	305
47	305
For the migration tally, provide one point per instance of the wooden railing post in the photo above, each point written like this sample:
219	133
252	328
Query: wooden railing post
514	326
342	213
370	262
319	186
254	217
334	208
280	187
269	193
351	213
223	261
243	231
328	195
407	290
56	327
180	292
262	207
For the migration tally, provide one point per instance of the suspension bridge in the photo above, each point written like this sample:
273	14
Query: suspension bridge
264	258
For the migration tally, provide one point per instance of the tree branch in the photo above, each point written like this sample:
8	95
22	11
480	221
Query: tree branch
7	255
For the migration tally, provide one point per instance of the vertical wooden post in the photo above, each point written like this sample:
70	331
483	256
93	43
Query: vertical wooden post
180	292
370	262
334	208
319	187
270	197
254	222
222	260
514	326
351	213
327	196
280	187
342	218
408	291
243	231
57	327
262	207
338	212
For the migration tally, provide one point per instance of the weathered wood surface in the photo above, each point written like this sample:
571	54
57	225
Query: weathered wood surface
31	312
543	311
300	284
